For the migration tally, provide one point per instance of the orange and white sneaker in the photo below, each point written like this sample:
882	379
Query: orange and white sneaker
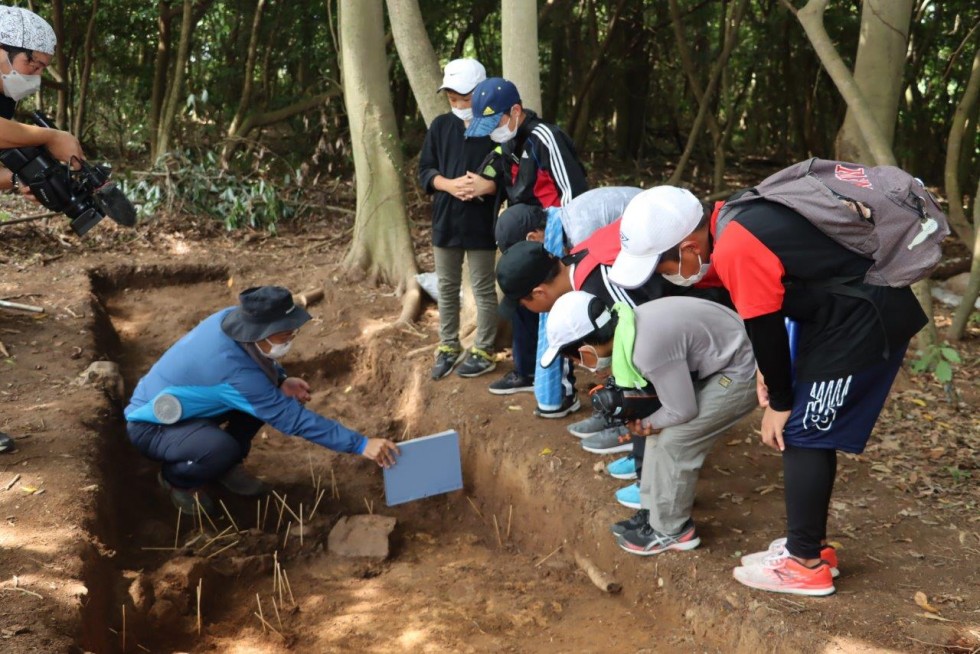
784	574
778	547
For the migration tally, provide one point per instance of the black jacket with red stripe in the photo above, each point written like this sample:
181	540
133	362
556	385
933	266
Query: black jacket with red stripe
539	165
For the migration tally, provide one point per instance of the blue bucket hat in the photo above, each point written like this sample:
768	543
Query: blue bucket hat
492	98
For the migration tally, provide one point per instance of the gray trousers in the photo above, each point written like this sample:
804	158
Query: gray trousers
449	271
672	460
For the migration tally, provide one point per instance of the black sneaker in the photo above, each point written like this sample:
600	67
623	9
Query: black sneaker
478	362
6	443
184	499
446	359
636	521
569	405
647	541
512	383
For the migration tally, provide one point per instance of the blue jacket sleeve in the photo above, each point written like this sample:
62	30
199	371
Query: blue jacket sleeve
253	392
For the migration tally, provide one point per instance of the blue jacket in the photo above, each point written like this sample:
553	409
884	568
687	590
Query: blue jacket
211	374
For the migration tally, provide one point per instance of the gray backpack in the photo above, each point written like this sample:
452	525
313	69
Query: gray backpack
880	212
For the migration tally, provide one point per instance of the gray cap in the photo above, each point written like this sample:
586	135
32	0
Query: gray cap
21	28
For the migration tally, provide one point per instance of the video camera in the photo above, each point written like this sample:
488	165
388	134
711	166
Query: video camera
85	195
620	405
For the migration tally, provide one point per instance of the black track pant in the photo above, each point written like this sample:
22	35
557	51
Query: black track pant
808	475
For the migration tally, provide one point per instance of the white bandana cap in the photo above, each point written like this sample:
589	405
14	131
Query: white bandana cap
21	28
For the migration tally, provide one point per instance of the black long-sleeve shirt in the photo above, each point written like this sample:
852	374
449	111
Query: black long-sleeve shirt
455	223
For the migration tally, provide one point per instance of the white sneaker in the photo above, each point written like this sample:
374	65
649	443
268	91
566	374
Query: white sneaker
778	548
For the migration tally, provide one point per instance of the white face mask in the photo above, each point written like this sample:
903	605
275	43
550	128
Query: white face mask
680	280
465	115
277	350
601	362
503	133
17	86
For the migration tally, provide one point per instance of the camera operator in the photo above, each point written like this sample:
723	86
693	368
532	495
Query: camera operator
664	341
27	44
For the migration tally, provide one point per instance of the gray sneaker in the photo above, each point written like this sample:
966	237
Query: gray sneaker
240	482
588	427
446	359
183	498
609	441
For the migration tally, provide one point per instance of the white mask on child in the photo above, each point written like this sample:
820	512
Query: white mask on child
466	115
503	133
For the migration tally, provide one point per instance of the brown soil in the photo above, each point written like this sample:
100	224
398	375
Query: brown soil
491	568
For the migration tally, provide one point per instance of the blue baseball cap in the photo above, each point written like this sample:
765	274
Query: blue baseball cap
492	98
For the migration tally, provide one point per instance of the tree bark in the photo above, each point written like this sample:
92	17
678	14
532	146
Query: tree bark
519	44
86	71
248	81
160	66
811	18
963	312
417	57
381	245
716	69
878	73
169	112
597	63
954	153
61	59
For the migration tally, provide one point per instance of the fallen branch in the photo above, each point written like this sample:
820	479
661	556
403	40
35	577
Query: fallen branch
603	581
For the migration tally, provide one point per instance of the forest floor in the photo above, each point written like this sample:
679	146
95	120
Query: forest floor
87	556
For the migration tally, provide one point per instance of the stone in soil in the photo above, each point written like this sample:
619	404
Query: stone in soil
362	535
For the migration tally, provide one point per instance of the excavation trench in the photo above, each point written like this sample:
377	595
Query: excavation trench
489	568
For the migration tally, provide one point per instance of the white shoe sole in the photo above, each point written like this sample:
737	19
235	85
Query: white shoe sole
630	505
511	391
676	547
471	375
754	559
808	592
615	449
631	476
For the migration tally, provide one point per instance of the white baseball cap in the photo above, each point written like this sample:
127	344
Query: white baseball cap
654	221
462	76
20	28
571	320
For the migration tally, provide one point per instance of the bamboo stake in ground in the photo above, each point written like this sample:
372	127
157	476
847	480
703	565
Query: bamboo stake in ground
258	514
276	609
228	513
208	543
283	500
553	552
124	628
473	504
266	625
180	512
217	552
301	530
265	514
370	507
200	518
496	528
510	516
334	492
199	587
286	537
289	587
317	503
312	476
261	617
282	507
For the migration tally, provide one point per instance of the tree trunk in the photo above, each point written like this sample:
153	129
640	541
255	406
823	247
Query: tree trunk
598	62
417	57
954	153
86	71
878	73
176	86
61	60
731	32
519	44
381	245
811	18
235	132
963	312
248	79
160	66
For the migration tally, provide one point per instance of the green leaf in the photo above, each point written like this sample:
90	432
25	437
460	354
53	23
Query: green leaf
944	372
950	354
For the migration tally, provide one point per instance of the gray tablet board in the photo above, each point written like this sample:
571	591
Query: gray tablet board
427	466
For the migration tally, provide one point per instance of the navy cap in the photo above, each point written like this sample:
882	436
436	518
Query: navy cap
514	224
492	98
